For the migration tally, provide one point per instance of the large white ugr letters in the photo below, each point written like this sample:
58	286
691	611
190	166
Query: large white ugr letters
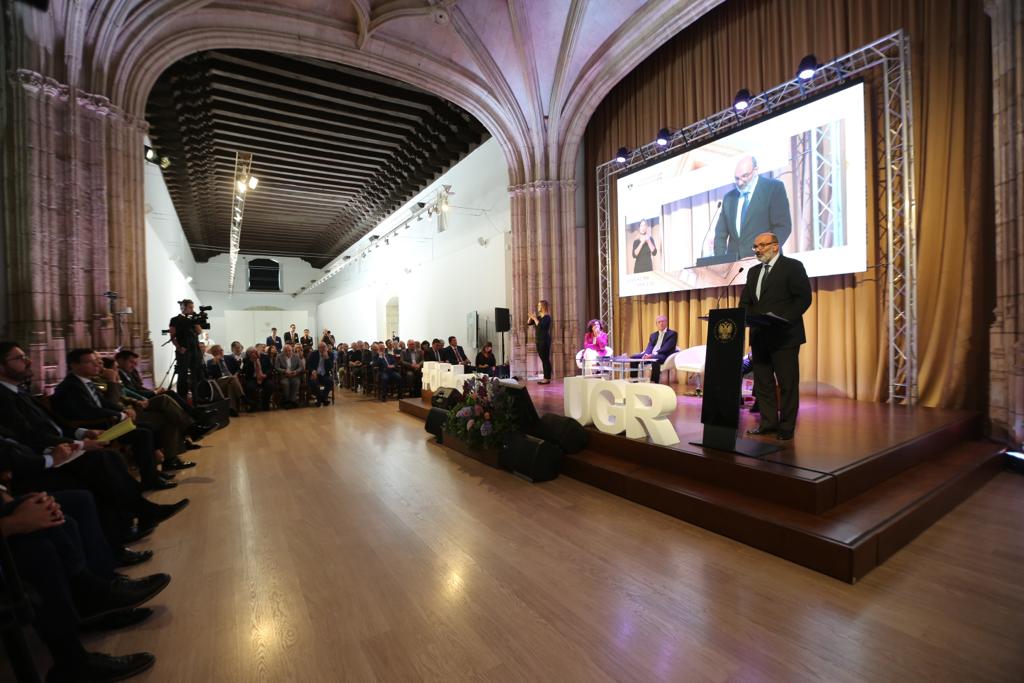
616	406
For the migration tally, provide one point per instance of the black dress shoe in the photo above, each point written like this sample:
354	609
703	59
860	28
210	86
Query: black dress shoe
124	594
197	431
139	532
178	464
159	485
126	557
97	666
192	447
165	512
166	476
784	435
125	618
761	431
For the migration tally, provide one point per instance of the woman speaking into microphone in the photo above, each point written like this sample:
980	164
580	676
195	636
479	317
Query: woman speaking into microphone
542	320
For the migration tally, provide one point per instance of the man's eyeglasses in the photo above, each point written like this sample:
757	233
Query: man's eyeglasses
763	245
14	358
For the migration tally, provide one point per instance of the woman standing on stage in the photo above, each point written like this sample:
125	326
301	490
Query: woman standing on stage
542	319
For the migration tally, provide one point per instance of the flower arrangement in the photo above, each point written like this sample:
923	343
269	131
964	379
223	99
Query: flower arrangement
484	415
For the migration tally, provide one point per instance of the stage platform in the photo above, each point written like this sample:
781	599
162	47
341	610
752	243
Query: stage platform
859	481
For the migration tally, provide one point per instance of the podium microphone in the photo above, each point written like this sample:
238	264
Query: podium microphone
728	285
704	241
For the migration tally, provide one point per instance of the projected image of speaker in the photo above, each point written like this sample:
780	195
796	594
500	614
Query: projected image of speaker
533	459
445	398
502	320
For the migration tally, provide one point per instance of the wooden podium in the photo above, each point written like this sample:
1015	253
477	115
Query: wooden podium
723	374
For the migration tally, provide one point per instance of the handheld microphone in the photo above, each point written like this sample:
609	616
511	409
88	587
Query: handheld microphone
718	302
704	241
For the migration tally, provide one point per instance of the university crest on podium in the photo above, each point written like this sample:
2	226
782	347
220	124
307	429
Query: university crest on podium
725	330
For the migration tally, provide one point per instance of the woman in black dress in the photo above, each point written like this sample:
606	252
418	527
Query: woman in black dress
644	250
485	359
542	319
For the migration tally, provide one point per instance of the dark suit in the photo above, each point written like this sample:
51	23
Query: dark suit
234	365
786	292
275	341
256	392
457	357
435	355
389	375
767	211
290	338
320	384
667	348
73	402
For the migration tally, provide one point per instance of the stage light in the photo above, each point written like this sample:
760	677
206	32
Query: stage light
622	155
663	136
150	153
742	100
808	66
165	163
253	182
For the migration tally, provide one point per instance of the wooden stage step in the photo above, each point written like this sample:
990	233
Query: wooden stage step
846	542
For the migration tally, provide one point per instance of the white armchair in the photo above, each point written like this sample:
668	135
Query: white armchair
691	361
589	363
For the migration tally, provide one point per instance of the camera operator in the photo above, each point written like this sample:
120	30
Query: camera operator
184	330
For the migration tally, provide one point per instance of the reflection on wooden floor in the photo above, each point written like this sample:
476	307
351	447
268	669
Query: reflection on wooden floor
339	544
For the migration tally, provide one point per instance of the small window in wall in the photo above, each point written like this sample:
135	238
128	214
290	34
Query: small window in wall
264	275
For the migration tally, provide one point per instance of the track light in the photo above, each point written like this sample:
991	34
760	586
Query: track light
165	163
622	155
808	66
150	153
742	100
663	136
242	186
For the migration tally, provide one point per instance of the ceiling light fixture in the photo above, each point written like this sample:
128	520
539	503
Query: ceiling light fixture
742	100
622	155
808	67
243	181
664	135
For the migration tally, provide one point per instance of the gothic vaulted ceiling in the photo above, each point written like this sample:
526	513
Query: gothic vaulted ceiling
336	149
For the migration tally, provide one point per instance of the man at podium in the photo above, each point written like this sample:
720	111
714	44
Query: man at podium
777	289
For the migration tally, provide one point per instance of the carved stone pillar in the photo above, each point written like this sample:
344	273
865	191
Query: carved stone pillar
74	226
544	267
1006	370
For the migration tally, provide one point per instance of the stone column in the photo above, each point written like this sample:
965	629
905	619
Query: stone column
1006	371
544	267
74	226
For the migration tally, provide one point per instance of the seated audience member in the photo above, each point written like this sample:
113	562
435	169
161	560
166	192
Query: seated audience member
131	381
289	373
49	554
425	349
219	371
272	354
77	400
161	415
40	457
456	356
389	376
319	366
274	340
437	352
257	379
485	362
237	357
356	369
412	367
204	352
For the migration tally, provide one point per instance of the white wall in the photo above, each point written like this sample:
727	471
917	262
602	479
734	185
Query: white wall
211	285
438	278
168	262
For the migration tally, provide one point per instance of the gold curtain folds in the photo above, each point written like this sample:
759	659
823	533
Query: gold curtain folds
757	44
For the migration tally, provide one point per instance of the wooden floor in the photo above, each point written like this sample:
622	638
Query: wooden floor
340	544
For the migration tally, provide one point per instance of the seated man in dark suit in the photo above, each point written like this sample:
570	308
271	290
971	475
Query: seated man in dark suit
258	379
660	346
389	376
412	367
356	370
456	356
319	366
757	204
236	358
77	400
218	370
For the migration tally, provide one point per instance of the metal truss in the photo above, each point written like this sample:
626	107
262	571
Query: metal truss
897	216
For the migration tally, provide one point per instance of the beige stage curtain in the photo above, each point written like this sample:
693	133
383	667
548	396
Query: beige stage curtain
757	44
